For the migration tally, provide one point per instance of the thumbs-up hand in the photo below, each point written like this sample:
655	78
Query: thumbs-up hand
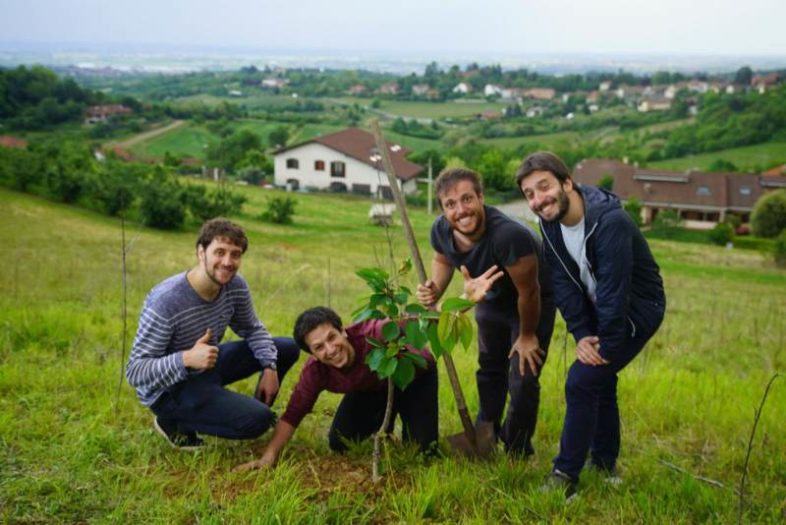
202	355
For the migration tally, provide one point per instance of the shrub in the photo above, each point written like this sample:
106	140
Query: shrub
204	205
721	234
666	223
162	203
606	183
769	214
633	207
279	210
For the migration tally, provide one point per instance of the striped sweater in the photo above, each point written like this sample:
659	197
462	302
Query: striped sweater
173	317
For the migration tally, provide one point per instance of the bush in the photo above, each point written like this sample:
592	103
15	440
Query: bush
204	205
721	234
633	207
162	203
279	210
666	223
769	214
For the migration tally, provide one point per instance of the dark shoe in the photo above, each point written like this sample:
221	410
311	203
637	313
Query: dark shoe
558	480
188	441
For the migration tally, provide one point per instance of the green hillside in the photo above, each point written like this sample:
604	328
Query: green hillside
75	446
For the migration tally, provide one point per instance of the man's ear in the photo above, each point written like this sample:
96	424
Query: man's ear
567	185
200	253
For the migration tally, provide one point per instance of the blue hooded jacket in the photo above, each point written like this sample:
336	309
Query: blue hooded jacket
630	300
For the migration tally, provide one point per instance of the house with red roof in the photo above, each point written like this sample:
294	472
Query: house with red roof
700	199
345	161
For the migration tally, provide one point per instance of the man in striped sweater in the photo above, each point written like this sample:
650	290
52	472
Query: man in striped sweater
177	366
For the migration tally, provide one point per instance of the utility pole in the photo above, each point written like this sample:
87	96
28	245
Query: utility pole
430	186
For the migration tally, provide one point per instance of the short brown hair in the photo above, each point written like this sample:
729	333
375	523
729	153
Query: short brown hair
311	319
220	227
542	161
449	177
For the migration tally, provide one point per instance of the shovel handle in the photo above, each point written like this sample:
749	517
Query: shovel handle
450	367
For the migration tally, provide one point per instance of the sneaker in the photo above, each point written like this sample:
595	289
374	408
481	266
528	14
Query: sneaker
558	480
188	441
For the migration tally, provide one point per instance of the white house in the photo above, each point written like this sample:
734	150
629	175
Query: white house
347	160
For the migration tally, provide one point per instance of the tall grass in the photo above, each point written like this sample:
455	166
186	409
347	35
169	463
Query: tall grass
68	454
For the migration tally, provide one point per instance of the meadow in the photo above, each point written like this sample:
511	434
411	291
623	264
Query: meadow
76	446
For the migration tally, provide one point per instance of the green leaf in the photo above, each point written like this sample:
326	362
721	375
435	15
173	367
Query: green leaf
374	358
434	342
376	278
390	331
387	367
392	349
416	358
414	335
404	373
376	343
392	311
362	314
415	309
446	330
401	298
406	266
376	299
465	331
455	303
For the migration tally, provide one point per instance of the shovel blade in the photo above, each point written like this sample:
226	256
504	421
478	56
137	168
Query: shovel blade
485	442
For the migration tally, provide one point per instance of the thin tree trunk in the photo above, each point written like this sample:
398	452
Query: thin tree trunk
375	477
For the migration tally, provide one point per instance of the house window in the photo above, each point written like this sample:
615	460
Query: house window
745	190
319	165
337	169
703	190
293	164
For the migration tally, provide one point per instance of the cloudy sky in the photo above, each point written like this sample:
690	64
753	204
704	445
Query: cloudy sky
704	27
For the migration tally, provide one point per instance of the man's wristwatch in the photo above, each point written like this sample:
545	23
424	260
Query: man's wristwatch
271	365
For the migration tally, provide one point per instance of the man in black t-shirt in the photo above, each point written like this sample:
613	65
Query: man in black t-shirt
515	319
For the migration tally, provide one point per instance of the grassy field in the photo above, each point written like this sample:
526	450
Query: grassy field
747	158
76	447
436	110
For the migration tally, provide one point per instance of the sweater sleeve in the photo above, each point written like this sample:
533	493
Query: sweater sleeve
150	367
247	325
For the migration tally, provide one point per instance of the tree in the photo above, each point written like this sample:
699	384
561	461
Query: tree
769	214
606	183
743	76
278	137
162	203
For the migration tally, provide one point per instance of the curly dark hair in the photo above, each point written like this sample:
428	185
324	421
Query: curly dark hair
312	318
220	227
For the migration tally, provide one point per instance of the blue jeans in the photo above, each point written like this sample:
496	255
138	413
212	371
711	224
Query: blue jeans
201	403
592	418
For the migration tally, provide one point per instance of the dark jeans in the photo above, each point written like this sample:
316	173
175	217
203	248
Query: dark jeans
592	418
360	414
498	376
201	403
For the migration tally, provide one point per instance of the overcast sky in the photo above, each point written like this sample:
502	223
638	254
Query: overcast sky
706	27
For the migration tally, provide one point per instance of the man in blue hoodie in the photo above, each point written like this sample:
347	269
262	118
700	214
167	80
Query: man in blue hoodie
610	293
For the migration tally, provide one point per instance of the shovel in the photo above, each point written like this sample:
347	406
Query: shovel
476	441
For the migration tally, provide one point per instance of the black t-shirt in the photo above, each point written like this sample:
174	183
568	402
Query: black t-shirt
503	243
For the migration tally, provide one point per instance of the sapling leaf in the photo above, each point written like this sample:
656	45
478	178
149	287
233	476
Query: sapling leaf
414	335
376	343
455	303
390	331
404	373
374	358
362	314
387	367
415	309
401	298
465	331
406	266
392	349
416	358
434	342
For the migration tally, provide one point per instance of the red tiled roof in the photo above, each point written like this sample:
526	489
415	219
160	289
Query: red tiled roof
361	146
736	191
8	141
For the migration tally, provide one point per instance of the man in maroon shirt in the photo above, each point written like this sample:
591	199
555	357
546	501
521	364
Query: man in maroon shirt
338	364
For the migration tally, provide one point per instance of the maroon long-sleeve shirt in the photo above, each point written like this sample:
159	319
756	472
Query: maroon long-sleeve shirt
317	376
